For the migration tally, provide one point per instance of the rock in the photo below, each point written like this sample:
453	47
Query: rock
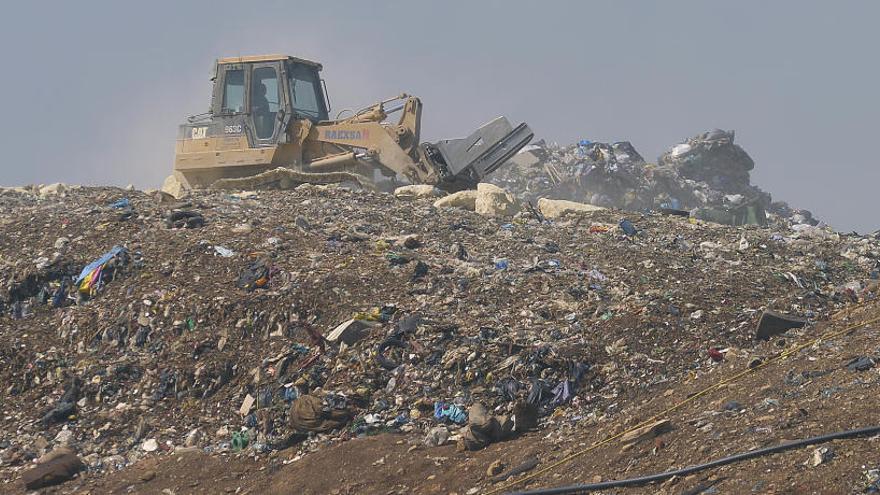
495	468
15	190
465	200
173	187
556	208
773	323
55	454
150	445
56	471
415	191
821	456
64	437
437	436
492	201
193	438
61	242
52	189
488	200
147	476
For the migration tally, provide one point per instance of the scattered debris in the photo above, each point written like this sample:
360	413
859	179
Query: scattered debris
348	313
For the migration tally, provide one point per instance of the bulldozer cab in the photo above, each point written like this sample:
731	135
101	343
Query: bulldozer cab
258	96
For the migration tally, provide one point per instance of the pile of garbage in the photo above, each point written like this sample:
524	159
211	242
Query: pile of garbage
134	325
707	176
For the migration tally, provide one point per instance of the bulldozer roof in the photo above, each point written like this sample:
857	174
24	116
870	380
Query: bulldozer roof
266	58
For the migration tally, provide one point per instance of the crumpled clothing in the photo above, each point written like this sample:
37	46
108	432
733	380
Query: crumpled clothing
450	412
561	393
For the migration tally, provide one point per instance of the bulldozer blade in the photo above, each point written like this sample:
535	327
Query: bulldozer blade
285	178
472	158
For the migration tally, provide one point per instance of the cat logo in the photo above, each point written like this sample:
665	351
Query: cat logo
199	132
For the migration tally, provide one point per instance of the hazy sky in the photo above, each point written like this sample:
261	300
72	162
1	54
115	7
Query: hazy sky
93	91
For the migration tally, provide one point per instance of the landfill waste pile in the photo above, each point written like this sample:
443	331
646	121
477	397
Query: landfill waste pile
706	176
134	325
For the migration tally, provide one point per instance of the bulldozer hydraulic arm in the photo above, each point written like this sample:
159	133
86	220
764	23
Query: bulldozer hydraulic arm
450	163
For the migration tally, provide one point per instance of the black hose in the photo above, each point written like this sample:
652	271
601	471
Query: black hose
641	480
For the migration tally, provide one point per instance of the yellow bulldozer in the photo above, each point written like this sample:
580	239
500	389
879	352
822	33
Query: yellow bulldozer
269	127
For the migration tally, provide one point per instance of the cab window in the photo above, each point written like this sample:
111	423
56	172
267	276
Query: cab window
305	92
233	92
264	101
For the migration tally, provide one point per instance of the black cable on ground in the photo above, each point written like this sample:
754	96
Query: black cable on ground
641	480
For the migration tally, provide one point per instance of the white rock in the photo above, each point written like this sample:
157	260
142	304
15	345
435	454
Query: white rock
418	191
493	201
821	456
242	228
150	445
174	187
193	437
64	437
462	199
437	436
53	189
555	208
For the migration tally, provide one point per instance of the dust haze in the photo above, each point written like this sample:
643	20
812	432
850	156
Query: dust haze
94	93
